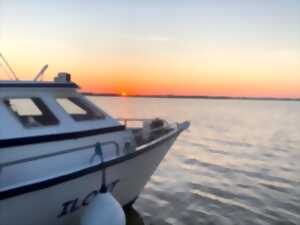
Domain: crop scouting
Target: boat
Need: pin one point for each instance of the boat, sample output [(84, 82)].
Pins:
[(59, 152)]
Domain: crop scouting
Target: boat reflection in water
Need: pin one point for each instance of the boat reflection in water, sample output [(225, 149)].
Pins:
[(133, 217)]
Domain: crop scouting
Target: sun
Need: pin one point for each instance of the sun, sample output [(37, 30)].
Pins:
[(123, 93)]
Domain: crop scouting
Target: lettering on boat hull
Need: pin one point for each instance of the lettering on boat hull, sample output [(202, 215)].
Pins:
[(77, 203)]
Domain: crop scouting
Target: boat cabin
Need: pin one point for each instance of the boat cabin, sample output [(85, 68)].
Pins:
[(30, 108)]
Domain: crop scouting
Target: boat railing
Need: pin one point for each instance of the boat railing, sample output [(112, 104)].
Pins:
[(102, 144), (126, 120), (146, 132)]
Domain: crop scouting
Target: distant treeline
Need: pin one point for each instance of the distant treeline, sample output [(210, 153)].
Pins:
[(191, 97)]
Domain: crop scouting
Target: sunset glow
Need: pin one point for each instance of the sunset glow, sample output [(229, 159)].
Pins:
[(231, 48)]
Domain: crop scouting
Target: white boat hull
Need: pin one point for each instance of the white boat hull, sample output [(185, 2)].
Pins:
[(63, 203)]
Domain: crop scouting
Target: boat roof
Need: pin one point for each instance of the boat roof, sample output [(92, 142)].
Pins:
[(36, 84)]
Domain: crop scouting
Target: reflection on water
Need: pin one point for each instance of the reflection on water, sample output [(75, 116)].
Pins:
[(238, 164), (133, 217)]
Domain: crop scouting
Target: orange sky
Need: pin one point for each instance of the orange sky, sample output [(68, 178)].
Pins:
[(250, 49)]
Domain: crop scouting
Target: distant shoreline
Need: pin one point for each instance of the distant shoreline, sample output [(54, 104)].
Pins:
[(191, 97)]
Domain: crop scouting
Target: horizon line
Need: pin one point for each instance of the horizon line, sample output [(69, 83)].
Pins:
[(190, 96)]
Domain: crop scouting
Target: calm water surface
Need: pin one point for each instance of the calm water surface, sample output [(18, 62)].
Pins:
[(239, 163)]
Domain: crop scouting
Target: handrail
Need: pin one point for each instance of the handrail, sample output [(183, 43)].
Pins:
[(125, 120), (133, 119), (155, 130), (60, 153)]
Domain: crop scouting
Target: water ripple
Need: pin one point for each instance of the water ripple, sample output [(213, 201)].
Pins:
[(238, 165)]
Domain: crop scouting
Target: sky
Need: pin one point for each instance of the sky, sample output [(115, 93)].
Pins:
[(190, 47)]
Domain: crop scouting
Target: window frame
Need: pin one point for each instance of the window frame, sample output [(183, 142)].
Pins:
[(84, 105), (40, 104)]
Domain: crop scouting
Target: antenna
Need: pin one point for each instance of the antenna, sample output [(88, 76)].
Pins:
[(5, 71), (9, 67), (41, 73)]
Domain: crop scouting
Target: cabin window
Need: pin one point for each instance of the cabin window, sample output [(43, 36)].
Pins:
[(31, 112), (79, 109)]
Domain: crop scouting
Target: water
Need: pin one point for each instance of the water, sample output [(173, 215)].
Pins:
[(239, 163)]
